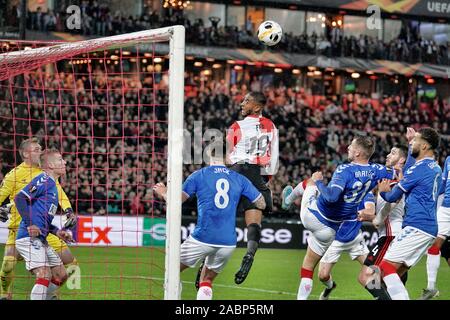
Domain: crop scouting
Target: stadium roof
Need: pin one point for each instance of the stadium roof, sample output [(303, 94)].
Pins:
[(304, 60), (433, 10)]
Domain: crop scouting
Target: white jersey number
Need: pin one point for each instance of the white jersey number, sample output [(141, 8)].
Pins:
[(435, 188), (222, 187), (357, 187)]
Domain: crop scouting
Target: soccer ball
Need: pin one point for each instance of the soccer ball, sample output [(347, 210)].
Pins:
[(269, 33)]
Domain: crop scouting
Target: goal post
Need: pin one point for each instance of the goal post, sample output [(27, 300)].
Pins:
[(174, 165), (14, 63)]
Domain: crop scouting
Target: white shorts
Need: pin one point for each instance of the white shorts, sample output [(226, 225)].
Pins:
[(409, 246), (443, 220), (355, 248), (36, 254), (322, 236), (193, 251)]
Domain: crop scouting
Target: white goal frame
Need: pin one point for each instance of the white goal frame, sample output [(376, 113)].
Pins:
[(33, 58)]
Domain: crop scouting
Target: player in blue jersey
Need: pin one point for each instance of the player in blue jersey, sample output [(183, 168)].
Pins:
[(349, 238), (420, 184), (324, 208), (218, 190), (443, 219), (37, 204)]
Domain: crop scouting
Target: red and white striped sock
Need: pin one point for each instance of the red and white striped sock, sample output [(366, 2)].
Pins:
[(306, 284), (39, 291), (433, 263), (394, 285), (205, 291)]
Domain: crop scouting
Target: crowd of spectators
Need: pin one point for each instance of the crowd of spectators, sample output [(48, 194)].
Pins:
[(113, 132), (98, 20)]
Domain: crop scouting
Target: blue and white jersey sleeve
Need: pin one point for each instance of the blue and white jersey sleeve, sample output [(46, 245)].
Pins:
[(339, 178), (190, 186), (383, 172), (36, 187), (445, 173), (445, 185), (249, 190), (410, 179)]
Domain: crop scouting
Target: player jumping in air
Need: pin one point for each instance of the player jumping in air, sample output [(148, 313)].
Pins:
[(37, 204), (420, 185), (218, 190), (30, 151), (253, 145)]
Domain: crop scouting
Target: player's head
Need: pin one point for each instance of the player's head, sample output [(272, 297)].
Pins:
[(361, 148), (30, 151), (52, 161), (214, 152), (426, 140), (253, 103), (397, 156)]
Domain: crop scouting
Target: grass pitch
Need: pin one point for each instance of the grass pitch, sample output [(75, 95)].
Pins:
[(137, 273)]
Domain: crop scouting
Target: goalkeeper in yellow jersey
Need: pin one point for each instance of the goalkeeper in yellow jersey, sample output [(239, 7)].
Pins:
[(30, 151)]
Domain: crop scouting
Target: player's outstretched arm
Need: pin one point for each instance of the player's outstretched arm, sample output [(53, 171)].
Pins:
[(331, 194), (387, 194), (161, 190)]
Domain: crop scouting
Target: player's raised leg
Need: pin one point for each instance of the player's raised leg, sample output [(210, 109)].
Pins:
[(289, 194), (318, 242)]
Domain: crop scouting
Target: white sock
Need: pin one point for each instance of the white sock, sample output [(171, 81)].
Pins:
[(305, 288), (51, 290), (433, 262), (39, 292), (328, 283), (204, 293), (395, 287), (296, 193)]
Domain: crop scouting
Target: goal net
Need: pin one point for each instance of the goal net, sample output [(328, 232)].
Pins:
[(113, 106)]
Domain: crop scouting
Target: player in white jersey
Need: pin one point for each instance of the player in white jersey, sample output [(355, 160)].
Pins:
[(213, 241), (252, 150), (420, 185), (443, 218), (388, 221)]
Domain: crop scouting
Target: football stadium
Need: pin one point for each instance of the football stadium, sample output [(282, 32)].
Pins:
[(225, 150)]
